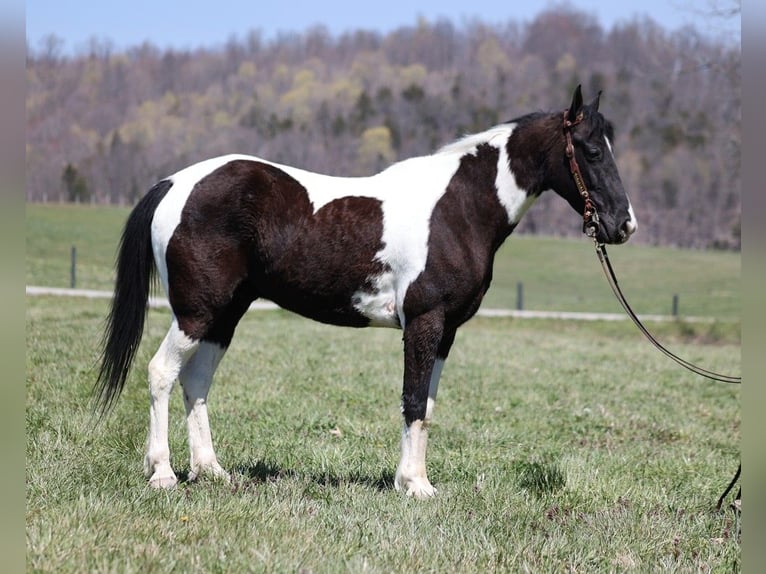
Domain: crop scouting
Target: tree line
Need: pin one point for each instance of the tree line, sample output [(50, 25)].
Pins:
[(105, 124)]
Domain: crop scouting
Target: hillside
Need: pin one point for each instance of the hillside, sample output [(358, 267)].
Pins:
[(103, 126)]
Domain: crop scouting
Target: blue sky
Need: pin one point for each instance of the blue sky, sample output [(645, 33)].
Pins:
[(189, 23)]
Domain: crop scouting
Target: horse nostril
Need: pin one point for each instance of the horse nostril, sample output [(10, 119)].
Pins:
[(628, 228)]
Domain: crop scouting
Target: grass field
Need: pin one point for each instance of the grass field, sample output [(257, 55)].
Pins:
[(556, 446)]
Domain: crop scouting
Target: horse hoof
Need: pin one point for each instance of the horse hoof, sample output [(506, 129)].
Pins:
[(422, 492), (418, 487), (215, 473), (163, 482)]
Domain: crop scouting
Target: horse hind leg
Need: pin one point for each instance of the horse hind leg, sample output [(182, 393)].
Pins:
[(164, 368), (216, 331), (196, 378)]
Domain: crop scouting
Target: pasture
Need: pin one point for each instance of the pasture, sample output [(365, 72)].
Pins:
[(556, 446)]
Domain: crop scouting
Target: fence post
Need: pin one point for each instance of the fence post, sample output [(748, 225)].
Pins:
[(519, 296), (675, 304), (73, 270)]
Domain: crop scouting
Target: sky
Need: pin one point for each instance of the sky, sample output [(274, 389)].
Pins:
[(188, 24)]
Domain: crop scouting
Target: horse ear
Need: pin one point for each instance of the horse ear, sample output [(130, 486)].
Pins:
[(576, 104), (595, 102)]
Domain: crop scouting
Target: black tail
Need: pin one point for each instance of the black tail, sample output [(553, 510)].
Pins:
[(125, 323)]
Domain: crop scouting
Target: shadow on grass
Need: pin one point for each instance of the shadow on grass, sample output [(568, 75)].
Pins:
[(539, 477), (246, 477)]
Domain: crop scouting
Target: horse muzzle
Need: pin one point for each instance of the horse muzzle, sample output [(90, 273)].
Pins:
[(595, 228)]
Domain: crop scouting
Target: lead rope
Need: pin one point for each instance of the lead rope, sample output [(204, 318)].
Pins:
[(590, 228), (612, 280)]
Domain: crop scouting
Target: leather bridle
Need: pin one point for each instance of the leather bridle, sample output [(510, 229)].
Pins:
[(590, 216)]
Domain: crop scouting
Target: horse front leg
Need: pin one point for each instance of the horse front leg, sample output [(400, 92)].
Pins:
[(423, 362)]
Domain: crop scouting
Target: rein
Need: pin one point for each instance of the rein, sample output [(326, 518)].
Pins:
[(611, 277), (590, 228)]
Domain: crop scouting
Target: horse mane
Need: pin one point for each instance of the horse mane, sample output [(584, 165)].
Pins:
[(469, 143)]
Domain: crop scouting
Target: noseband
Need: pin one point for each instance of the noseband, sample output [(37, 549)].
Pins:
[(590, 216)]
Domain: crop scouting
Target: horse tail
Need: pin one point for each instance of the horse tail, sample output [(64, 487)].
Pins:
[(136, 273)]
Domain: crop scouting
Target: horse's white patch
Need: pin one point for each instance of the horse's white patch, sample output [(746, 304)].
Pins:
[(379, 305), (515, 200), (409, 191)]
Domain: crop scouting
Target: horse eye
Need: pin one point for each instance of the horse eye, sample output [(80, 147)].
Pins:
[(592, 152)]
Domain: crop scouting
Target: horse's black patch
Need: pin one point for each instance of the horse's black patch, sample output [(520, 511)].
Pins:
[(249, 230)]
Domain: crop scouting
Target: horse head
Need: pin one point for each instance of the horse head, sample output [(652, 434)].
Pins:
[(586, 155)]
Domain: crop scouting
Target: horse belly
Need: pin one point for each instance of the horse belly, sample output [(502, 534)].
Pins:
[(342, 292)]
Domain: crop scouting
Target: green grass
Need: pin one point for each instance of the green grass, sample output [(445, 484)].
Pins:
[(565, 275), (556, 447), (557, 274), (52, 231)]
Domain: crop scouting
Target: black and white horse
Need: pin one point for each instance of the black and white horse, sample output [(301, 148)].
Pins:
[(410, 248)]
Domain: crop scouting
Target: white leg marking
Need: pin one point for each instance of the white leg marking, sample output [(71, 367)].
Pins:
[(164, 368), (411, 473), (196, 378)]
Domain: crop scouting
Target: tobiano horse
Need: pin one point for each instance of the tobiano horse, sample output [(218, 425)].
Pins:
[(410, 248)]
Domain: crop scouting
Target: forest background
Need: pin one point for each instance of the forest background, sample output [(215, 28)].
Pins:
[(103, 125)]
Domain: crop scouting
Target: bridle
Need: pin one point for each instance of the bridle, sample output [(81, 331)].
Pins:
[(590, 215), (590, 228)]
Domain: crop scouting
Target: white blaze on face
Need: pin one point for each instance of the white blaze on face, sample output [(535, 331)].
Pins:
[(632, 224)]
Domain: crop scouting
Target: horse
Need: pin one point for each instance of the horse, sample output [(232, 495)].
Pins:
[(409, 248)]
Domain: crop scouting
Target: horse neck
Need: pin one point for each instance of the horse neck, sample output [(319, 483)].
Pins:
[(483, 192), (511, 164), (536, 148)]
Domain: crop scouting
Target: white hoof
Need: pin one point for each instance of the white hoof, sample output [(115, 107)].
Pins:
[(418, 486), (213, 471), (163, 480)]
